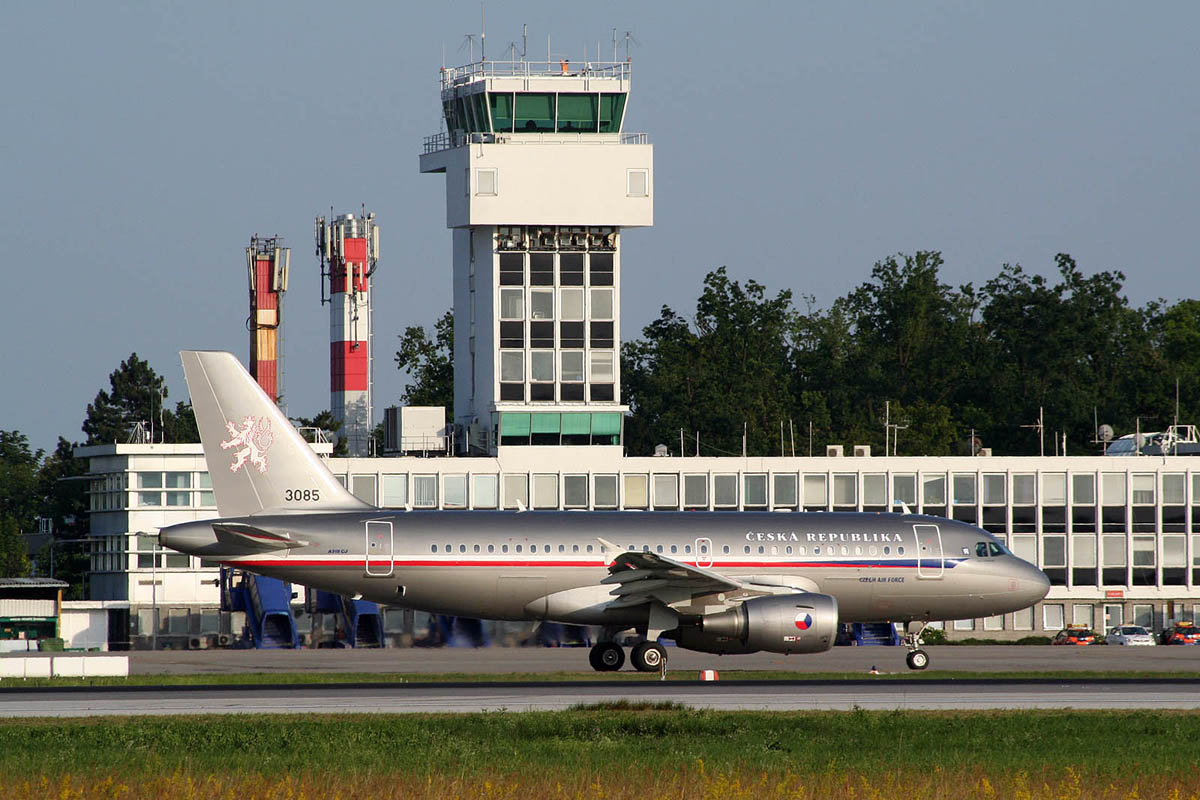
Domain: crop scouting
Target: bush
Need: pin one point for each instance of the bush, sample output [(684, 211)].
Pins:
[(933, 636), (1034, 640)]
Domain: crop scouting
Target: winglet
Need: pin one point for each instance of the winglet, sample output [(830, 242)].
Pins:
[(611, 551)]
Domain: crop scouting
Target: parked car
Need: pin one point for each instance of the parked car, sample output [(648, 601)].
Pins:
[(1130, 635), (1181, 633), (1075, 635)]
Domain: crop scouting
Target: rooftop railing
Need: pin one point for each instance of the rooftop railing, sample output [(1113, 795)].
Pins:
[(456, 76), (445, 141)]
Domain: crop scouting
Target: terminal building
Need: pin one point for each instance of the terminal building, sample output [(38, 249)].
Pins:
[(541, 179)]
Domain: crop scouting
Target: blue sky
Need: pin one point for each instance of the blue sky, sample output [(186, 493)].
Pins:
[(797, 143)]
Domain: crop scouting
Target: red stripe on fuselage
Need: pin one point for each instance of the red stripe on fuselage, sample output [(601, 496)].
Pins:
[(301, 562)]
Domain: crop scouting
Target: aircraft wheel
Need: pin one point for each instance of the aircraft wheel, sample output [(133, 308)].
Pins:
[(607, 657), (648, 657), (918, 659)]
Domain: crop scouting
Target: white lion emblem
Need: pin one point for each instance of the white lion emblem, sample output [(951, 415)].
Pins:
[(254, 438)]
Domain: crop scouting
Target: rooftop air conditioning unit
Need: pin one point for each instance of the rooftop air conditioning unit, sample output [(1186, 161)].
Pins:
[(862, 451), (834, 451), (985, 452)]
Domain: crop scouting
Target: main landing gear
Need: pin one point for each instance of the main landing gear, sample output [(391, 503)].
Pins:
[(917, 658), (645, 657), (607, 657)]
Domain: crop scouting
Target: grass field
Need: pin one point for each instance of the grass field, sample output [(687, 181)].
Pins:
[(251, 678), (608, 753)]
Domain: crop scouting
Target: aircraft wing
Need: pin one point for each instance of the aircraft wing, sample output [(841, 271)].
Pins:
[(639, 577)]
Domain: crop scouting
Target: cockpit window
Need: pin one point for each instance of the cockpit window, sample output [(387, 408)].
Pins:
[(981, 549), (996, 549)]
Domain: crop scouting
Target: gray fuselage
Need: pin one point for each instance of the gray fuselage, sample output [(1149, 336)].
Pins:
[(549, 565)]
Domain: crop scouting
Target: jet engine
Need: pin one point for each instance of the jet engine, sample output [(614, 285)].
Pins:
[(789, 623)]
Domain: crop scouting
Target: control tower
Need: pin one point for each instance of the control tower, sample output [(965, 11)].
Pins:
[(541, 178)]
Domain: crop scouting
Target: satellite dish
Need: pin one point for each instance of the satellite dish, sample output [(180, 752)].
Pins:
[(1106, 433)]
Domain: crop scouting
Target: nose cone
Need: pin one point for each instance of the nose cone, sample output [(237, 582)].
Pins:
[(193, 538), (1032, 584)]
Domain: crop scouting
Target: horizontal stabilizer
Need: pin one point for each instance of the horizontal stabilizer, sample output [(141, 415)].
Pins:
[(245, 535)]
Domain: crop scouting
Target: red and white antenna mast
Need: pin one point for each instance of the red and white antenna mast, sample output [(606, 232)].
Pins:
[(267, 262), (348, 251)]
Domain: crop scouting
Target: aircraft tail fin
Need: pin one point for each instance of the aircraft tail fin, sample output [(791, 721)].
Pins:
[(256, 458)]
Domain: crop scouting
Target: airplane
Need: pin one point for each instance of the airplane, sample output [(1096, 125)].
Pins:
[(715, 582)]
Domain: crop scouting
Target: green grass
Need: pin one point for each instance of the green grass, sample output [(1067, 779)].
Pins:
[(586, 740), (261, 678)]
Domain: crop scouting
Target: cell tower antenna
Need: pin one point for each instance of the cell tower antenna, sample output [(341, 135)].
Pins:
[(524, 40), (482, 35), (630, 38), (614, 43)]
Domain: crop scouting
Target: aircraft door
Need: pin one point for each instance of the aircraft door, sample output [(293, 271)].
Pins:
[(930, 561), (378, 554), (704, 554)]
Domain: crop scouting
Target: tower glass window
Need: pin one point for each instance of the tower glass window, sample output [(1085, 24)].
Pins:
[(602, 365), (502, 108), (541, 365), (512, 304), (602, 334), (541, 269), (571, 304), (612, 107), (572, 366), (534, 112), (577, 113), (600, 269), (541, 303), (570, 269), (602, 303), (512, 269)]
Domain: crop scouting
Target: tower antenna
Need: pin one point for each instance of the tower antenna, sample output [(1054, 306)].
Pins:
[(482, 35), (524, 40), (629, 37)]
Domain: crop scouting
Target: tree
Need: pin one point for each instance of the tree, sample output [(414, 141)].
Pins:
[(18, 501), (326, 422), (63, 495), (430, 364), (14, 563), (138, 394), (725, 372)]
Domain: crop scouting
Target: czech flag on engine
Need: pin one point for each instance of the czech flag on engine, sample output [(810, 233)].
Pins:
[(804, 620)]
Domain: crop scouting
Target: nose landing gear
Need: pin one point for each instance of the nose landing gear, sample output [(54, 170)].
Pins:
[(917, 658)]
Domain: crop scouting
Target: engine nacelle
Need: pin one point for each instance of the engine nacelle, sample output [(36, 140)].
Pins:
[(789, 623)]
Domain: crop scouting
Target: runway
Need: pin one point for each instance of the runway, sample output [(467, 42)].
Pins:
[(485, 661), (925, 695)]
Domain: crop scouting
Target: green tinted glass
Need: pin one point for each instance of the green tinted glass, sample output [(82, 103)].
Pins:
[(577, 424), (502, 119), (577, 112), (514, 424), (534, 113), (479, 106), (606, 424), (612, 106)]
